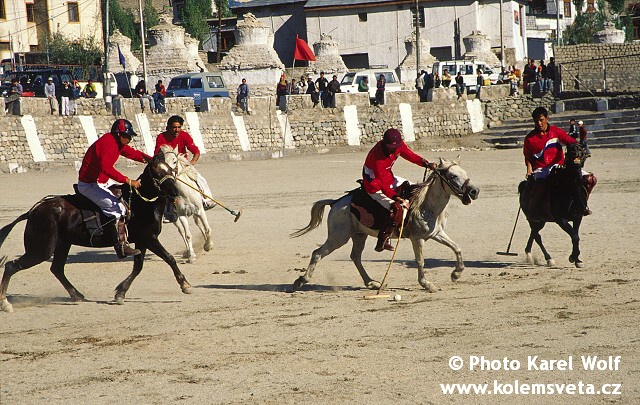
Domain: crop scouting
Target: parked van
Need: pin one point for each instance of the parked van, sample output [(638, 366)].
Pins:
[(469, 72), (349, 83), (197, 85)]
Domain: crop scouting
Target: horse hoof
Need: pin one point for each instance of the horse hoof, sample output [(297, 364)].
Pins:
[(119, 300), (298, 283), (430, 287), (373, 285), (551, 262), (529, 258), (191, 260), (455, 275), (6, 306), (186, 290), (208, 247), (579, 264)]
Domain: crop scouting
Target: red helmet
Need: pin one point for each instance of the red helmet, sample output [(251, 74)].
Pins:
[(392, 138), (123, 127)]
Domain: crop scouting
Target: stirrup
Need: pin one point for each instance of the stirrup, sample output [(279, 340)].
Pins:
[(384, 246), (124, 250)]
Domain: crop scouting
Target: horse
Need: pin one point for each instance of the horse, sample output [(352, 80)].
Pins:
[(190, 203), (562, 198), (425, 220), (54, 224)]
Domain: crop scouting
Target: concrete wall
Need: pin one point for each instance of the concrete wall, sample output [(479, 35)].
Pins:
[(621, 62)]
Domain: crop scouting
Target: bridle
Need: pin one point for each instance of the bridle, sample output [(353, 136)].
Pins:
[(457, 191), (156, 183)]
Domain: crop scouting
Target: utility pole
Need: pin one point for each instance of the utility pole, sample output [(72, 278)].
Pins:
[(107, 93), (417, 39), (558, 22), (144, 46), (501, 37), (219, 33)]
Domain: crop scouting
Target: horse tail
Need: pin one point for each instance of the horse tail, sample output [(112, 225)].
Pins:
[(317, 211), (4, 232)]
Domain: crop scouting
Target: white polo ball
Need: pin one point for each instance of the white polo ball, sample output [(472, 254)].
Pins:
[(397, 297)]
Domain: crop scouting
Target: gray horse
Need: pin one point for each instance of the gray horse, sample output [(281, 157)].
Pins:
[(426, 220)]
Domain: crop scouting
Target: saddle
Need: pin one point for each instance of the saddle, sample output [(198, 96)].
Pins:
[(546, 198), (93, 217), (368, 211)]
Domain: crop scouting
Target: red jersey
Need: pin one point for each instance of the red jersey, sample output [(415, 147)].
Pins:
[(183, 141), (544, 149), (377, 174), (98, 163)]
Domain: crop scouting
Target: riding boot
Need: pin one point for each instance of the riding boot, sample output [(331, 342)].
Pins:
[(395, 217), (170, 214), (122, 245)]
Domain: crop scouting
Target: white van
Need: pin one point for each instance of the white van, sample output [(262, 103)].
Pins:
[(468, 70), (349, 82)]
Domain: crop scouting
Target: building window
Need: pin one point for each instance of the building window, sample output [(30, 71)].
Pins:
[(3, 11), (420, 16), (362, 17), (74, 13), (31, 14), (567, 8)]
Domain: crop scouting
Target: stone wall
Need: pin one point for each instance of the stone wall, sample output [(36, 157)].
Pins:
[(621, 62), (511, 107)]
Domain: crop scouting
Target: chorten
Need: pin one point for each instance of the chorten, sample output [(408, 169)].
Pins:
[(328, 58)]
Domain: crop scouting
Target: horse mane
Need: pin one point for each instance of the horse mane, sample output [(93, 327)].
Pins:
[(420, 196)]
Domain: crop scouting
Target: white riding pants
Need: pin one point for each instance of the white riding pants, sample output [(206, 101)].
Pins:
[(103, 198), (382, 199)]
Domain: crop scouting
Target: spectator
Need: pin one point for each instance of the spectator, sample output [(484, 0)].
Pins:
[(141, 92), (518, 74), (332, 89), (302, 85), (460, 87), (89, 90), (158, 97), (573, 130), (75, 94), (530, 76), (446, 79), (50, 94), (313, 92), (583, 137), (13, 102), (542, 76), (363, 85), (479, 82), (321, 84), (293, 87), (242, 99), (420, 84), (65, 96), (503, 77), (551, 76), (281, 92), (513, 80), (380, 87), (436, 80)]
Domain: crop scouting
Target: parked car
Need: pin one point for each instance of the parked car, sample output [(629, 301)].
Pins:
[(34, 80), (469, 72), (349, 83), (199, 85)]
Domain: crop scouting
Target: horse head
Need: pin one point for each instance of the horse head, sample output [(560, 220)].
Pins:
[(576, 155), (456, 181), (162, 178)]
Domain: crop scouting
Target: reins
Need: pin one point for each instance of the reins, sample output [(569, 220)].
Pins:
[(459, 192)]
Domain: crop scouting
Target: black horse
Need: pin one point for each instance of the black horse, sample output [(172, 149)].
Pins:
[(562, 198), (54, 224)]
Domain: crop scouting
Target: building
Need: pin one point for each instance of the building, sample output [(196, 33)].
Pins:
[(27, 26), (373, 32)]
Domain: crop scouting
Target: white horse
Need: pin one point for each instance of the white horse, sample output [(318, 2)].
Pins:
[(190, 203), (426, 220)]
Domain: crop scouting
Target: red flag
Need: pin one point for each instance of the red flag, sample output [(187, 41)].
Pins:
[(303, 52)]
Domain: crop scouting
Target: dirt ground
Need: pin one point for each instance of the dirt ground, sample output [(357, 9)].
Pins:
[(240, 338)]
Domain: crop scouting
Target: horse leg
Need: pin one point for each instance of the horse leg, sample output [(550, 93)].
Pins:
[(123, 287), (183, 228), (536, 227), (359, 240), (200, 218), (156, 247), (418, 252), (10, 268), (57, 268), (443, 238), (333, 242), (575, 239)]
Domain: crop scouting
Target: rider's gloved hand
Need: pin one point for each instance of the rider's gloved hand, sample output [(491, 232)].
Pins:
[(429, 165), (134, 183), (401, 202)]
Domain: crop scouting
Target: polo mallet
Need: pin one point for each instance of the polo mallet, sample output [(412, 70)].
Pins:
[(384, 279), (507, 253), (234, 213)]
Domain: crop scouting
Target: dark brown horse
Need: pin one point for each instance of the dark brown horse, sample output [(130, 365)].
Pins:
[(562, 198), (54, 224)]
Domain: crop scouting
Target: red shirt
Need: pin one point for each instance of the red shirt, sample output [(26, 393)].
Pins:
[(544, 149), (98, 163), (183, 141), (377, 174)]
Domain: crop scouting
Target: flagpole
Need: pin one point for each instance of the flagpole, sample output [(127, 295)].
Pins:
[(144, 49)]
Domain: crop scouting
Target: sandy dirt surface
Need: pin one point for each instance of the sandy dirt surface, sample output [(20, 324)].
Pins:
[(240, 338)]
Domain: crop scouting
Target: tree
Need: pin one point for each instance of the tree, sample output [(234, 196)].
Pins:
[(124, 20), (585, 24), (150, 15), (194, 18), (63, 51)]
